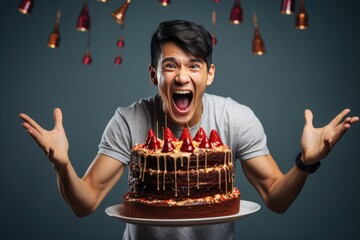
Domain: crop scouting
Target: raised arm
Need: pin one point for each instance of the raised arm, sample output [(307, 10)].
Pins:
[(82, 194), (279, 190)]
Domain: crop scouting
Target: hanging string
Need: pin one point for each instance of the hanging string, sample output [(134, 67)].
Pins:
[(120, 44), (213, 22), (258, 46), (92, 10), (87, 59)]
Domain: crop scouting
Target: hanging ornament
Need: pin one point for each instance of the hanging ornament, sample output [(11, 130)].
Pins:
[(25, 7), (213, 23), (87, 58), (236, 16), (217, 1), (302, 17), (118, 59), (120, 43), (103, 1), (214, 39), (258, 43), (164, 3), (119, 14), (287, 7), (54, 38), (213, 20), (83, 23)]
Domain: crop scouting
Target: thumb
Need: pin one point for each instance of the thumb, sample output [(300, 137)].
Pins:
[(58, 118), (308, 118)]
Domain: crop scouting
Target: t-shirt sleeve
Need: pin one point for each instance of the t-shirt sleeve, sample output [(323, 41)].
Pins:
[(116, 138), (248, 131)]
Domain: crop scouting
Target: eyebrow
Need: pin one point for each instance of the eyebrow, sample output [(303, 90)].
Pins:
[(172, 59)]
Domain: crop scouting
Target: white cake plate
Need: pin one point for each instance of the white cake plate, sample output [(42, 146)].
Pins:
[(246, 208)]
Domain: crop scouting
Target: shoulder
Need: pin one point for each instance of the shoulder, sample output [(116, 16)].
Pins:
[(226, 104), (143, 105)]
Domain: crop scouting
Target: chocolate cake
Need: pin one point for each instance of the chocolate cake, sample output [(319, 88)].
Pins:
[(181, 178)]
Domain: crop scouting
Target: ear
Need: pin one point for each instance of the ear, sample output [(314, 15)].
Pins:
[(152, 74), (211, 75)]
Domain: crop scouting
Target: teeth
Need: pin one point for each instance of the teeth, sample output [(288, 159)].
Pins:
[(182, 92)]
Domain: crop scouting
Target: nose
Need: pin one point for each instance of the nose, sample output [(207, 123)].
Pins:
[(182, 77)]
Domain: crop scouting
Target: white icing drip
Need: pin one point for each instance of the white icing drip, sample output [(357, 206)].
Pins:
[(157, 172), (227, 165)]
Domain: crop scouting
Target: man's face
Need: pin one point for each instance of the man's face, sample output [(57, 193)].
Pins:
[(181, 79)]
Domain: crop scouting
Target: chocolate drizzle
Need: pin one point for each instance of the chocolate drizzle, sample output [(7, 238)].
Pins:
[(187, 170)]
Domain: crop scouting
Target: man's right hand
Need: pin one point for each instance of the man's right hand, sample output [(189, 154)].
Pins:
[(54, 142)]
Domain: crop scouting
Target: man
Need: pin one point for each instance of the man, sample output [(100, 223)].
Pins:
[(181, 68)]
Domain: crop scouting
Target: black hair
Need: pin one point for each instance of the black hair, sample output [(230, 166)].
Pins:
[(190, 37)]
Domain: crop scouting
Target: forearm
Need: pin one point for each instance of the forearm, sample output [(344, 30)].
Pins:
[(276, 189), (285, 189), (75, 191)]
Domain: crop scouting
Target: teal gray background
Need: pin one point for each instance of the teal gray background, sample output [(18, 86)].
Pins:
[(317, 69)]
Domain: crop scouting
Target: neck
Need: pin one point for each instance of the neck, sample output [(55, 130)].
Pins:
[(195, 120)]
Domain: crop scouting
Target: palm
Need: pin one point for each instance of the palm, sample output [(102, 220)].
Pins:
[(54, 142), (316, 143), (58, 141)]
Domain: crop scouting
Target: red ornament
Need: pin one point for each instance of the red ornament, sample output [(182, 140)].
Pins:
[(200, 135), (185, 134), (169, 135), (214, 39), (83, 23), (187, 145), (236, 16), (118, 59), (168, 146), (87, 58), (26, 6), (215, 139), (287, 7), (164, 3), (120, 43), (205, 143)]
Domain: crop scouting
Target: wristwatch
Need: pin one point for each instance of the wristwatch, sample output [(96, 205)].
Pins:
[(305, 167)]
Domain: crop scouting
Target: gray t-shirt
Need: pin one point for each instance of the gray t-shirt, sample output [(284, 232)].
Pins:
[(236, 124)]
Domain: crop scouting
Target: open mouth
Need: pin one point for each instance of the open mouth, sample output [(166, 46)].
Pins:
[(182, 99)]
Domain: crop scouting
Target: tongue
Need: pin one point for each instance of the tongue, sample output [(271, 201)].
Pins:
[(182, 102)]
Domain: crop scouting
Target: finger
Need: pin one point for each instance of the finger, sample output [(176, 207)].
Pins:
[(339, 117), (30, 121), (308, 118), (58, 118), (354, 120), (36, 135), (349, 121)]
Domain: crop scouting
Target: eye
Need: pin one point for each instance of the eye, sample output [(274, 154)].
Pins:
[(169, 67), (195, 66)]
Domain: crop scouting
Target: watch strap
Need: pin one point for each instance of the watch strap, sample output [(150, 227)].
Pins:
[(305, 167)]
